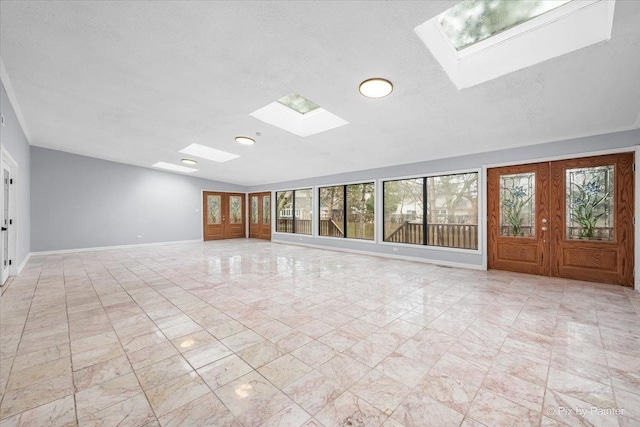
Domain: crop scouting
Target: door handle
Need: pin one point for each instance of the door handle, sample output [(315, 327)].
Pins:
[(544, 228), (4, 228)]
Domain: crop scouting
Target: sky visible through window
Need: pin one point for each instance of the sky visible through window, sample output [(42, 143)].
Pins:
[(298, 103), (472, 21)]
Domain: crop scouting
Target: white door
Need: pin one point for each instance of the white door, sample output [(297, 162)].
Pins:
[(6, 223)]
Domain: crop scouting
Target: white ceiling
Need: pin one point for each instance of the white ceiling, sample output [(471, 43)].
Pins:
[(137, 81)]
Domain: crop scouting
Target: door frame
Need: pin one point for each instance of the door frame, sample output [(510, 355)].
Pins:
[(631, 148), (201, 209), (5, 157)]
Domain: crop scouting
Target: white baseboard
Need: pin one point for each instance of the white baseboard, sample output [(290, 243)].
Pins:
[(23, 263), (383, 255), (108, 248)]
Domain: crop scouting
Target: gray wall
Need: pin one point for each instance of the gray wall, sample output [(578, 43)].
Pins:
[(15, 142), (475, 161), (83, 202)]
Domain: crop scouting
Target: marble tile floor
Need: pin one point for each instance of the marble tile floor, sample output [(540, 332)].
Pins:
[(253, 333)]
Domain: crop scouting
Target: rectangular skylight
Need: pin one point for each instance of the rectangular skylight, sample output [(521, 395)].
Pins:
[(311, 123), (175, 168), (487, 39), (298, 103), (472, 21), (208, 153)]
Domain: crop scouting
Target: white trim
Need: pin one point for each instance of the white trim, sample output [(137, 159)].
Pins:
[(433, 247), (343, 239), (109, 248), (485, 221), (433, 174), (23, 263), (14, 210), (627, 149), (8, 87), (383, 255)]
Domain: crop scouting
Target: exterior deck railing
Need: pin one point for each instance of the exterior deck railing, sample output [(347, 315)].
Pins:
[(463, 236)]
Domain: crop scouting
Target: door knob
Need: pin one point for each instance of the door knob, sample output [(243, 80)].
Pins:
[(544, 228), (544, 220), (4, 228)]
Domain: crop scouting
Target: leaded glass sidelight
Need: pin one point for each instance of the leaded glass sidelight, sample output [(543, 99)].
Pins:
[(517, 205), (235, 210), (590, 203), (213, 210), (266, 210), (254, 209)]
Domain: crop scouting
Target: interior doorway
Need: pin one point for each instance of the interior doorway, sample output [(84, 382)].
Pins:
[(8, 214), (260, 215), (570, 218), (223, 215)]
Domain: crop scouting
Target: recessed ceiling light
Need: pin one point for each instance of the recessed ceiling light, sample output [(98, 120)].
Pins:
[(245, 140), (189, 161), (376, 87), (208, 153), (175, 168)]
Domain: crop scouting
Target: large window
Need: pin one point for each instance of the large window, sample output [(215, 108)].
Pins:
[(293, 211), (347, 211), (436, 211)]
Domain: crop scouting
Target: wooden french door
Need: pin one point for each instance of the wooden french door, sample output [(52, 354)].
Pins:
[(260, 215), (570, 218), (223, 215)]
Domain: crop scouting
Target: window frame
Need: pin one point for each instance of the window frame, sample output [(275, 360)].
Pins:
[(423, 246), (344, 210), (293, 211)]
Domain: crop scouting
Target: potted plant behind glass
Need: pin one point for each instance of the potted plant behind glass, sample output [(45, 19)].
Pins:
[(587, 208), (512, 207)]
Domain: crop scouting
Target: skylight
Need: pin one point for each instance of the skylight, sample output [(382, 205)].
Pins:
[(471, 21), (479, 40), (208, 153), (298, 103), (175, 168), (298, 115)]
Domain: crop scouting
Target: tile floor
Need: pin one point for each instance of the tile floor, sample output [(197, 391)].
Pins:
[(250, 333)]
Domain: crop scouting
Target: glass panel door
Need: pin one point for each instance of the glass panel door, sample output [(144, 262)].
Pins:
[(517, 205), (214, 208), (235, 209), (590, 203), (266, 209), (254, 210)]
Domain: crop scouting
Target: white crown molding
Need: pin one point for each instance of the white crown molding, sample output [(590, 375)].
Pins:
[(6, 81)]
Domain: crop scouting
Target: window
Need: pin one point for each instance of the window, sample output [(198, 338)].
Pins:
[(293, 211), (471, 21), (403, 211), (479, 40), (449, 220), (348, 211)]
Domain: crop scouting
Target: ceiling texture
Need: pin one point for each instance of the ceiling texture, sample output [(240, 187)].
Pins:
[(137, 81)]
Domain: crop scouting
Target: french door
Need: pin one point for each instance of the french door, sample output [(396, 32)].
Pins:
[(570, 218), (223, 215), (260, 215)]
